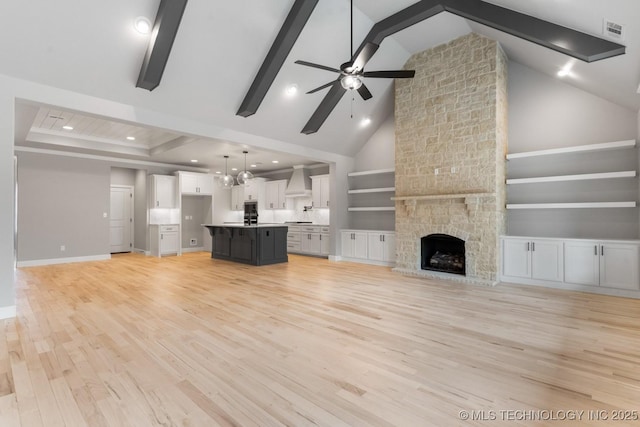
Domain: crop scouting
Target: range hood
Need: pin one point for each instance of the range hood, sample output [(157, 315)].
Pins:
[(299, 184)]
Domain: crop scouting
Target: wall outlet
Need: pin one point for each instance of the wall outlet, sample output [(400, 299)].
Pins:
[(104, 215), (193, 242), (454, 169), (436, 171), (63, 248)]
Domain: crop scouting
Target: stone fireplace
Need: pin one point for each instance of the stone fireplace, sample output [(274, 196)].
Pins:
[(451, 141)]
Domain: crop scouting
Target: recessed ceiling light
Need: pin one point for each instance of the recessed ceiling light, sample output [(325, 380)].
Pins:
[(274, 161), (234, 169), (194, 161), (131, 138), (566, 70), (142, 25), (365, 122), (67, 127), (218, 172), (291, 90), (254, 166)]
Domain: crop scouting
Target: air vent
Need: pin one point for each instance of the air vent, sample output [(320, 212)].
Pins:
[(613, 30)]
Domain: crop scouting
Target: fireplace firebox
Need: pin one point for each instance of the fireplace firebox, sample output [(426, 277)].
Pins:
[(441, 252)]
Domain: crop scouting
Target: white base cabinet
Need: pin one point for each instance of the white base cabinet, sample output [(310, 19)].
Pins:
[(164, 239), (608, 264), (604, 266), (308, 240), (371, 247)]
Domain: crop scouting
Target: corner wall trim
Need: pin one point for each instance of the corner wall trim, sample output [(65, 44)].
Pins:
[(7, 312), (39, 262)]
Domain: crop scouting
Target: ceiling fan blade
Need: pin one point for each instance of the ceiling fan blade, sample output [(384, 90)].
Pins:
[(364, 92), (322, 87), (322, 67), (396, 74), (325, 108), (364, 55)]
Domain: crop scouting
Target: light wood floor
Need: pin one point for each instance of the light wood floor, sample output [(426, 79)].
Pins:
[(191, 341)]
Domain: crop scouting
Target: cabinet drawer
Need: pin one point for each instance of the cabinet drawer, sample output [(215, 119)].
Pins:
[(311, 229), (168, 228), (324, 229), (293, 246), (293, 237)]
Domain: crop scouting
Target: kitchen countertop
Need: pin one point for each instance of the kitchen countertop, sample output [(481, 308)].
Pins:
[(241, 225)]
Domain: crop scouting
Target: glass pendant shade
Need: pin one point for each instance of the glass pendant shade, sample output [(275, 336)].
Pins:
[(226, 181), (245, 176)]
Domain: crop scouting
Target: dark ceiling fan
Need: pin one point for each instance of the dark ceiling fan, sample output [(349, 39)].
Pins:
[(352, 72)]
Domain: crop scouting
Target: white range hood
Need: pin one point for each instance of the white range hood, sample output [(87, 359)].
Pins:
[(299, 183)]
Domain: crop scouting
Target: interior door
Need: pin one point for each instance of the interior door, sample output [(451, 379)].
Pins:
[(121, 219)]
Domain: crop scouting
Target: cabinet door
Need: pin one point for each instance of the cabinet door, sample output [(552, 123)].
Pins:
[(346, 238), (188, 183), (619, 266), (324, 244), (164, 191), (582, 263), (237, 198), (272, 195), (316, 244), (324, 192), (168, 243), (360, 245), (221, 245), (305, 243), (546, 260), (389, 241), (516, 260), (375, 246), (316, 192), (205, 184), (282, 199)]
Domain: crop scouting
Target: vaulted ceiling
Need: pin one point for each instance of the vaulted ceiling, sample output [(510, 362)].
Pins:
[(92, 48)]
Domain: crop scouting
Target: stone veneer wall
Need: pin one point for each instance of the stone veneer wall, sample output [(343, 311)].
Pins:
[(453, 114)]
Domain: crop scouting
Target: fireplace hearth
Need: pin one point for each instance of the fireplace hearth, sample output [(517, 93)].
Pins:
[(444, 253)]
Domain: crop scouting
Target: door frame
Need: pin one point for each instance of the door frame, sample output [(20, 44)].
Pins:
[(132, 211)]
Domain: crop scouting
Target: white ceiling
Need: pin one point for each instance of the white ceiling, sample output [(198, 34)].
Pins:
[(91, 48)]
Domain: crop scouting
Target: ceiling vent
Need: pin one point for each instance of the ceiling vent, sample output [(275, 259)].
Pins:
[(613, 30)]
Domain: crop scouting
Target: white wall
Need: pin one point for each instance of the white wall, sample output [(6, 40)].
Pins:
[(123, 176), (7, 204), (379, 151)]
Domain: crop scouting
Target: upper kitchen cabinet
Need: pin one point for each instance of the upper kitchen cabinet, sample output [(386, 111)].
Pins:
[(320, 191), (254, 190), (163, 191), (200, 184), (275, 192)]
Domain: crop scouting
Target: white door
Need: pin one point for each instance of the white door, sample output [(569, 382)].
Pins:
[(121, 219)]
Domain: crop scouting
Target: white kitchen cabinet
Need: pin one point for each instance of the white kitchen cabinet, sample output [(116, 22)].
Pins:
[(354, 244), (165, 239), (540, 259), (237, 198), (311, 240), (381, 246), (320, 191), (324, 244), (596, 263), (163, 191), (275, 194), (195, 183), (254, 190)]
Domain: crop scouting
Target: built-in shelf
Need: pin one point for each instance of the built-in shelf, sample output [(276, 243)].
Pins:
[(572, 205), (581, 177), (575, 149), (373, 190), (444, 196), (372, 209), (371, 172)]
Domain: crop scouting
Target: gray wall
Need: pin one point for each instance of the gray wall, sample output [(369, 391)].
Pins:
[(7, 202), (123, 176), (61, 201), (198, 207), (141, 218), (379, 152), (545, 112)]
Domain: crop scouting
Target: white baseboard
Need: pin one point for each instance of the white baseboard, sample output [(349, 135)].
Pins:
[(335, 258), (368, 261), (139, 251), (626, 293), (198, 249), (39, 262), (8, 312)]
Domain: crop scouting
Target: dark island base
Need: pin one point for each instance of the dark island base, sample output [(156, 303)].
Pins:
[(254, 245)]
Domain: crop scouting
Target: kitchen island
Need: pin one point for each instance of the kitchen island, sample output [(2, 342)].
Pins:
[(259, 244)]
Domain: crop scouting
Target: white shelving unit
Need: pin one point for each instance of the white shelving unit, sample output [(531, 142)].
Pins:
[(575, 149), (373, 190), (606, 146), (370, 198), (371, 172)]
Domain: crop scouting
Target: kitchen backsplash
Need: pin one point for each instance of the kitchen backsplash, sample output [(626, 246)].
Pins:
[(318, 216)]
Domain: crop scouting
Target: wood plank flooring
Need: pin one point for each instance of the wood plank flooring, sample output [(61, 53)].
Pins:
[(191, 341)]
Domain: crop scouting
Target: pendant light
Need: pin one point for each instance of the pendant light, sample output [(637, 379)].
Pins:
[(226, 181), (245, 176)]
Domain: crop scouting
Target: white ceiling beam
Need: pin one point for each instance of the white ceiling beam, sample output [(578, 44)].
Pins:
[(181, 141)]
